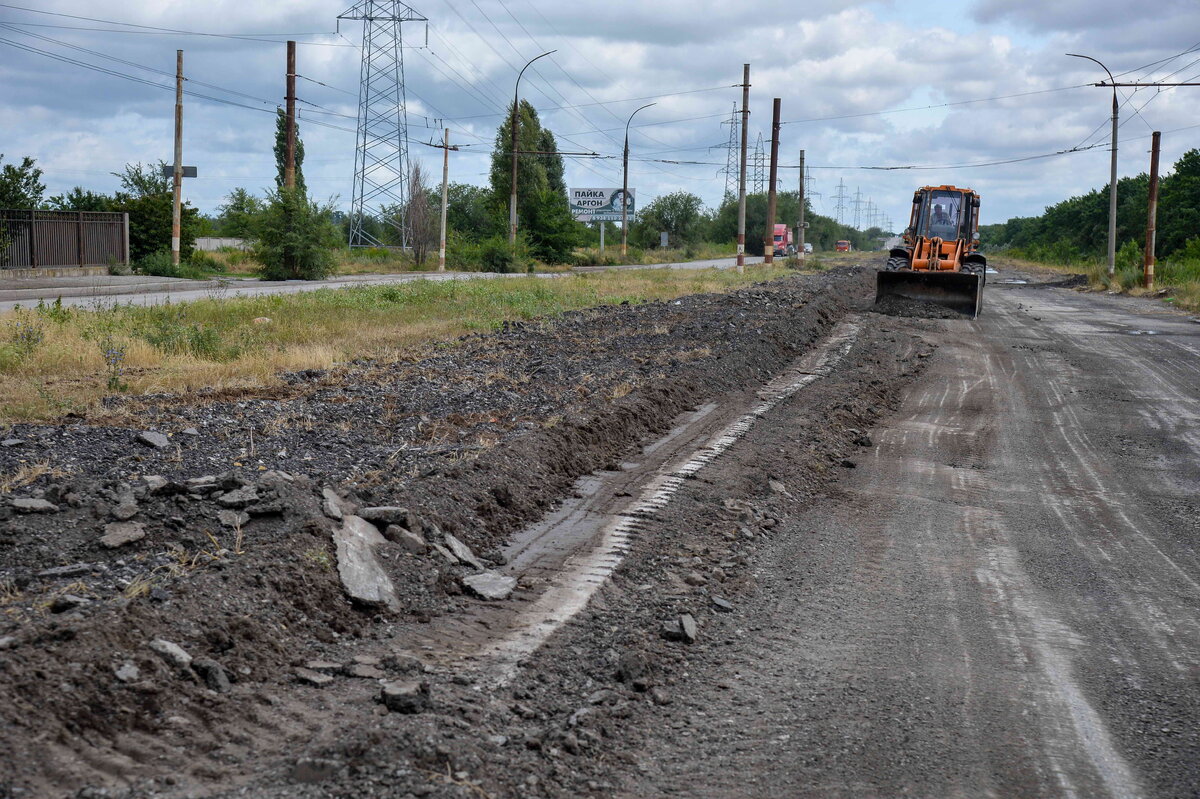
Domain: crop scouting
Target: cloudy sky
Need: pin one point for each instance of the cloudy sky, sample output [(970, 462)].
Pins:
[(863, 84)]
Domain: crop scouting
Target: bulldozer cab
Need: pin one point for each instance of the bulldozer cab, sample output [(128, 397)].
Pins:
[(940, 215)]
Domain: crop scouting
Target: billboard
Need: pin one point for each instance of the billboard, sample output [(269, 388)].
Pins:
[(600, 205)]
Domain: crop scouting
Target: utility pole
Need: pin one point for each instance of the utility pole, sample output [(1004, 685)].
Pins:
[(445, 199), (512, 200), (741, 234), (857, 203), (625, 187), (176, 226), (800, 219), (1112, 181), (289, 163), (769, 241), (1152, 211)]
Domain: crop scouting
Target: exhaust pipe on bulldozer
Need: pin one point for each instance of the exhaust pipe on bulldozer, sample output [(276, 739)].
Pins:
[(958, 291)]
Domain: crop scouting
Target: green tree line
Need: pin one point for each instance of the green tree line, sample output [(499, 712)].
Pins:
[(1076, 230)]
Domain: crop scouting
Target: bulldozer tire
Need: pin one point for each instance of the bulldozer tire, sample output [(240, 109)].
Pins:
[(895, 263)]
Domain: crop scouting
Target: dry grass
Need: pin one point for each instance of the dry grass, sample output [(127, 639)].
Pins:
[(26, 474), (69, 363)]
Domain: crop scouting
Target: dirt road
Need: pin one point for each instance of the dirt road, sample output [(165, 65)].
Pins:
[(1000, 600), (783, 546)]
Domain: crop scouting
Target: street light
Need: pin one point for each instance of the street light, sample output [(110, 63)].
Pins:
[(512, 200), (625, 187), (1112, 182)]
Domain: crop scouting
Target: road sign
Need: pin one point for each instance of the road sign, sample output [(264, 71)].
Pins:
[(601, 205), (188, 171)]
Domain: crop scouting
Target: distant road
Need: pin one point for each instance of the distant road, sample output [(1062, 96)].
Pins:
[(148, 290)]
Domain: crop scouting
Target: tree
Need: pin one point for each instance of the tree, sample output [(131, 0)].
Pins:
[(80, 199), (422, 215), (145, 180), (542, 206), (281, 153), (295, 237), (1179, 204), (21, 186), (238, 215), (471, 213), (681, 214), (147, 197)]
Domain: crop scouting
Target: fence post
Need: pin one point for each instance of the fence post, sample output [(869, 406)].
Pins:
[(79, 237), (33, 261), (125, 231)]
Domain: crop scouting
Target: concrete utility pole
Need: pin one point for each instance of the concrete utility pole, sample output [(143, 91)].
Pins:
[(800, 218), (512, 200), (1152, 212), (176, 226), (769, 241), (1112, 181), (625, 188), (445, 199), (741, 232), (289, 163)]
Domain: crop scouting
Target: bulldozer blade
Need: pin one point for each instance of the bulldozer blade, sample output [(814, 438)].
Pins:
[(959, 291)]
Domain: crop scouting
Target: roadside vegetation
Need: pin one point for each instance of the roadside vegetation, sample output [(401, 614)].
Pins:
[(287, 234), (56, 359), (1073, 235)]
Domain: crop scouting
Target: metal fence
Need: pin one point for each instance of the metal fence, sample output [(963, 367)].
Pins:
[(33, 239)]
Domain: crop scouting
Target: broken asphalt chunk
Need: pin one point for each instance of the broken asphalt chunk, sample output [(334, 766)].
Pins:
[(490, 585)]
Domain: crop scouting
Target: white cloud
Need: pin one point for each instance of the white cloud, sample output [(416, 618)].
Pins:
[(833, 58)]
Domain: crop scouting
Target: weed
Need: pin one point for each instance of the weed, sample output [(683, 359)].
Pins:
[(9, 593), (320, 556), (25, 475), (621, 390), (139, 586), (26, 334), (114, 363)]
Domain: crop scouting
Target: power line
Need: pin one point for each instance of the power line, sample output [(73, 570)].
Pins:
[(160, 30)]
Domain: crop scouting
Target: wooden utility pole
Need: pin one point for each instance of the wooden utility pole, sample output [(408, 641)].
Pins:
[(800, 219), (769, 241), (445, 199), (289, 163), (1152, 212), (741, 230), (177, 173)]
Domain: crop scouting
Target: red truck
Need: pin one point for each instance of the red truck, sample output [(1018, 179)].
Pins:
[(843, 246), (785, 244)]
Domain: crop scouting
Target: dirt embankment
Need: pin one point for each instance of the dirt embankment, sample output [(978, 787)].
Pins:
[(204, 522)]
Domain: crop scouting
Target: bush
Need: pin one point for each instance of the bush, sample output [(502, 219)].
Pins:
[(295, 238), (156, 263), (205, 262), (497, 255)]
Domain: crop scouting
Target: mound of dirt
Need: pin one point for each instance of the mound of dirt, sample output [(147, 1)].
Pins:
[(168, 569), (910, 308)]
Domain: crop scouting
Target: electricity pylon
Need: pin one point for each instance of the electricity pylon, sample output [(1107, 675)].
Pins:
[(381, 158)]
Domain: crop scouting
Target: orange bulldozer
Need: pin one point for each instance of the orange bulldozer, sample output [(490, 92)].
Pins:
[(939, 259)]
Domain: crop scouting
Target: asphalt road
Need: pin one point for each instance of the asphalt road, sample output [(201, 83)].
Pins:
[(149, 290), (1002, 599)]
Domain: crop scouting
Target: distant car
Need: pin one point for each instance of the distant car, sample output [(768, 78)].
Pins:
[(843, 246), (808, 247)]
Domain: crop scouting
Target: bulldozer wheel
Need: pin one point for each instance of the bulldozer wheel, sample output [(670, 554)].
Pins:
[(895, 263)]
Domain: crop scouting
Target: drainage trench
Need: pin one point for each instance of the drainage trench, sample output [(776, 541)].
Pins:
[(573, 551)]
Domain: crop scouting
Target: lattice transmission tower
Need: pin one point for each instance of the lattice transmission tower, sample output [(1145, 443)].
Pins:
[(757, 174), (381, 158), (732, 149)]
